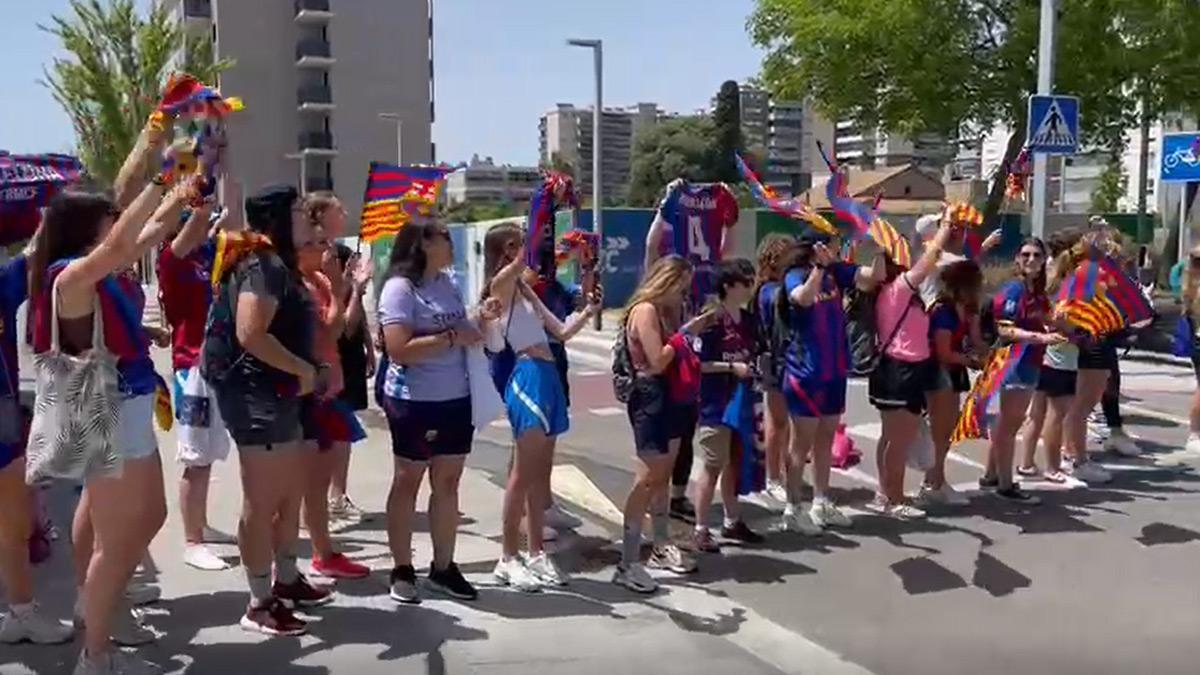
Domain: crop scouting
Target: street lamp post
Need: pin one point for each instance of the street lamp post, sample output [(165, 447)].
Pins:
[(597, 47), (1045, 85), (299, 156), (395, 117)]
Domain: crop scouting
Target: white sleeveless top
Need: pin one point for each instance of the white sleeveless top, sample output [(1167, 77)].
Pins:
[(522, 326)]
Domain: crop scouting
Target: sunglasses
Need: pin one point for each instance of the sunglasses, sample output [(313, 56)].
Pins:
[(1029, 255)]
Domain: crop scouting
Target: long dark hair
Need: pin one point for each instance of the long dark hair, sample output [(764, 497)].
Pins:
[(1038, 283), (269, 212), (70, 226), (495, 245), (408, 255)]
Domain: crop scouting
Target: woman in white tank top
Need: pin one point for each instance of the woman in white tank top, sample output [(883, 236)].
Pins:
[(537, 405)]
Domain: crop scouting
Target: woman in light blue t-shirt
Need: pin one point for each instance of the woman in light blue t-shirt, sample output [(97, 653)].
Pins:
[(426, 331)]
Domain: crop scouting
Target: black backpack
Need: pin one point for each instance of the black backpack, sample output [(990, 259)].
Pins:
[(622, 366), (865, 346)]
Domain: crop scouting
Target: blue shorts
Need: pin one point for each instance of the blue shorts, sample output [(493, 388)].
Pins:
[(1024, 378), (814, 399), (535, 398)]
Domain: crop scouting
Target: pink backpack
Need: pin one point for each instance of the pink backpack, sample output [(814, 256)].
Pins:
[(845, 455)]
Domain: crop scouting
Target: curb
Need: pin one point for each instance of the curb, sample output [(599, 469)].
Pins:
[(1160, 358)]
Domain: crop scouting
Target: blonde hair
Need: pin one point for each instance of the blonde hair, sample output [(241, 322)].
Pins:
[(662, 278), (773, 252), (316, 204), (1191, 286)]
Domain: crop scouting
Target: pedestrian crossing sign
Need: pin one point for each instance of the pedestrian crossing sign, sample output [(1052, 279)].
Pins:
[(1053, 125)]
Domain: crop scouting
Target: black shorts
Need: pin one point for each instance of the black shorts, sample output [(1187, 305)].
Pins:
[(900, 385), (1055, 383), (951, 378), (1098, 355), (422, 430), (256, 414), (656, 421)]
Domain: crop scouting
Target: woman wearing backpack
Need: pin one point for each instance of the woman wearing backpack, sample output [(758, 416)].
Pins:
[(773, 252), (80, 278), (950, 321), (904, 374), (1021, 311), (536, 402), (816, 372), (653, 344)]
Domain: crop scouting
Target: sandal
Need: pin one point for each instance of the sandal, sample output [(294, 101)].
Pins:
[(1029, 471), (1055, 477)]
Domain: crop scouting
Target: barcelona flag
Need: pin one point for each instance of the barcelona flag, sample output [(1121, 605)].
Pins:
[(1001, 365), (792, 208), (27, 182), (231, 247), (1099, 298), (395, 194), (557, 191), (865, 220)]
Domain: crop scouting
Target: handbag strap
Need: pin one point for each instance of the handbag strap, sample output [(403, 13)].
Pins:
[(98, 341), (900, 323)]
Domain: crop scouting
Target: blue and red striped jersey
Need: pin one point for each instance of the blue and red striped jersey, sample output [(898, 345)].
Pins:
[(695, 218), (819, 348)]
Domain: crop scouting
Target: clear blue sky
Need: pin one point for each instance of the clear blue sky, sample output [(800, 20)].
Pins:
[(498, 65)]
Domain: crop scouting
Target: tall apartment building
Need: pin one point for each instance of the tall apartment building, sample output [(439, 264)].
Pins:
[(788, 132), (875, 149), (566, 133), (315, 76)]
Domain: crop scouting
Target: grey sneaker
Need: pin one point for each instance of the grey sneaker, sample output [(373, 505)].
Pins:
[(33, 625), (404, 585), (128, 629), (671, 559), (115, 662)]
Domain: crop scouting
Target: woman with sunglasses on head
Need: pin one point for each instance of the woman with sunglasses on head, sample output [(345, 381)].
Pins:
[(427, 400), (329, 425), (652, 336), (773, 251), (1021, 311), (258, 357), (816, 372), (950, 326), (80, 277), (537, 405), (905, 373)]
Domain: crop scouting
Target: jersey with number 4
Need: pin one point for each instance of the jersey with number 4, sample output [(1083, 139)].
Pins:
[(695, 217)]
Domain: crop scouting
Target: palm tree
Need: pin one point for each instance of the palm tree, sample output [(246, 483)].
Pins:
[(118, 63)]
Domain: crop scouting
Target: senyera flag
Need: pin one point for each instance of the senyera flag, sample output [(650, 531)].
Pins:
[(792, 208), (395, 194), (557, 191), (1099, 298), (864, 220), (1001, 364), (27, 182)]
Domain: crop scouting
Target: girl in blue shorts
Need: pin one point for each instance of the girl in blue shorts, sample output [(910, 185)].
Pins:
[(815, 372), (536, 402)]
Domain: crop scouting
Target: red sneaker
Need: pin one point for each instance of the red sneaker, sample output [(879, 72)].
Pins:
[(339, 566), (300, 593), (273, 618)]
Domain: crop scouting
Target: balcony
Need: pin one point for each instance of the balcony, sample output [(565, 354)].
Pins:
[(313, 11), (316, 143), (315, 98), (318, 184), (197, 9), (314, 54)]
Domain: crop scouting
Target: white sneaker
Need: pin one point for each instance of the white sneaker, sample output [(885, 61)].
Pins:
[(142, 594), (115, 662), (775, 490), (825, 513), (879, 504), (1122, 444), (906, 512), (32, 625), (1090, 472), (1193, 444), (797, 520), (953, 497), (546, 570), (202, 558), (561, 520), (515, 574), (635, 578), (212, 535)]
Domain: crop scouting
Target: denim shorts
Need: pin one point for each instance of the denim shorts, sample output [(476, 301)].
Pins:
[(256, 414)]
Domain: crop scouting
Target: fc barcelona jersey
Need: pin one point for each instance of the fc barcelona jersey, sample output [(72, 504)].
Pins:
[(695, 217)]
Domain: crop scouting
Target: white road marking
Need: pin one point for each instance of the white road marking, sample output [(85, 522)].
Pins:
[(589, 359), (607, 412), (569, 482), (872, 430), (1156, 414)]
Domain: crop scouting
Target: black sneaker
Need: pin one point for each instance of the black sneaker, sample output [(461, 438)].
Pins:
[(741, 532), (991, 483), (404, 585), (452, 583), (682, 509), (1016, 495)]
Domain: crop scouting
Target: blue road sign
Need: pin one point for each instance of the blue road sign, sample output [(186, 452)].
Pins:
[(1180, 157), (1053, 125)]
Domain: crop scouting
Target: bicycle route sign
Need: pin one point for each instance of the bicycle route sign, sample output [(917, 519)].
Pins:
[(1180, 157)]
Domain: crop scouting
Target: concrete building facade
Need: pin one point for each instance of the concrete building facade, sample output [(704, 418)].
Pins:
[(483, 182), (565, 133), (315, 76)]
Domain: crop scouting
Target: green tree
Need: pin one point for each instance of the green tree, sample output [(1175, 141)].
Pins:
[(676, 148), (1110, 187), (117, 63), (727, 120), (944, 65)]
